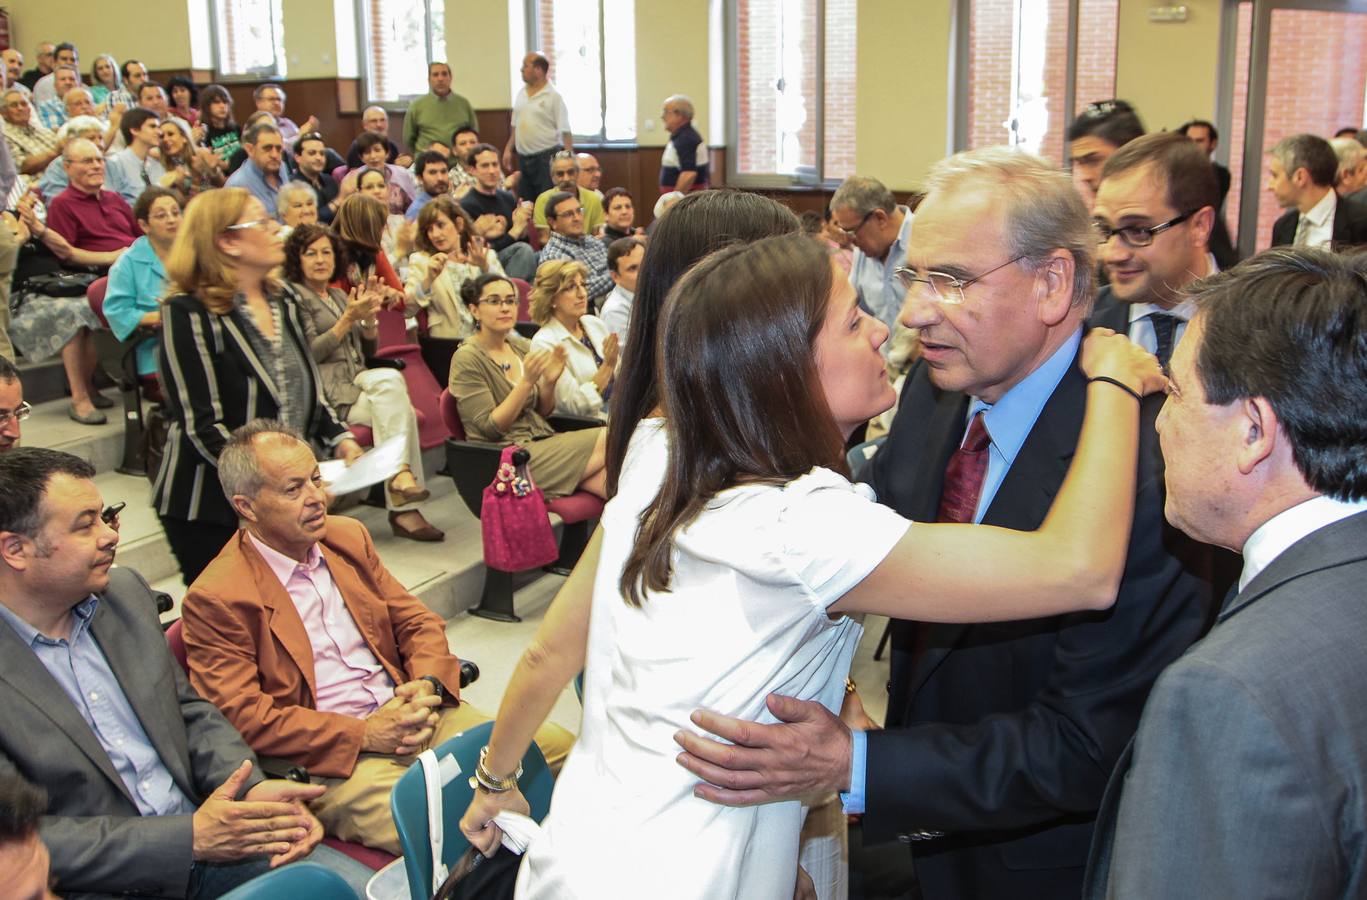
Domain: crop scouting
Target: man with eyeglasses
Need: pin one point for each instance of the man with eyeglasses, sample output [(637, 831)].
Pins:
[(13, 409), (999, 737), (271, 98), (590, 172), (879, 228), (31, 145), (565, 174), (570, 240), (260, 172)]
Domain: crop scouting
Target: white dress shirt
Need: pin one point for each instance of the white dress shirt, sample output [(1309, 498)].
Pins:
[(575, 392), (1275, 536), (1320, 233)]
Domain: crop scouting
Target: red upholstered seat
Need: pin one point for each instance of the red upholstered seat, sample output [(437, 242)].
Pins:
[(577, 507), (94, 295)]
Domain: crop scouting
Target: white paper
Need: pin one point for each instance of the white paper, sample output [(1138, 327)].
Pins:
[(380, 463)]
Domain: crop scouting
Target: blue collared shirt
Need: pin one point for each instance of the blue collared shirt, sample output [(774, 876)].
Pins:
[(250, 176), (79, 666), (880, 291), (129, 176), (52, 113), (416, 206), (1008, 423)]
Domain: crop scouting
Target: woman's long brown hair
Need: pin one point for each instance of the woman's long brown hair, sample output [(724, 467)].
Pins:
[(738, 380)]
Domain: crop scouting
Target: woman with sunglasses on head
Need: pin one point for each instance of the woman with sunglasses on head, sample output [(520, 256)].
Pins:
[(505, 390), (233, 349), (734, 571), (190, 169)]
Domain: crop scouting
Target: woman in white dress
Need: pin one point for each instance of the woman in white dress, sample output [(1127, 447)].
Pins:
[(730, 557)]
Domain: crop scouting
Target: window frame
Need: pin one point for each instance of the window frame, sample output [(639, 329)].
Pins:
[(363, 48), (279, 68), (532, 37)]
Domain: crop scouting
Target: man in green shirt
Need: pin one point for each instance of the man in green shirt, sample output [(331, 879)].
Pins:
[(436, 115)]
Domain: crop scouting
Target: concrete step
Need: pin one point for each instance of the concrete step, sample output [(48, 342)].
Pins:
[(50, 426), (43, 381)]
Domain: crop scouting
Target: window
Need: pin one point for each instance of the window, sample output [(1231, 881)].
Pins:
[(250, 38), (1017, 67), (592, 48), (794, 83), (396, 34)]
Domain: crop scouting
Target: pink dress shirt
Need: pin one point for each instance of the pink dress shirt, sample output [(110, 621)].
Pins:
[(349, 678)]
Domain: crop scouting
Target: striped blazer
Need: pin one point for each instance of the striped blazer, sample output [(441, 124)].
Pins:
[(213, 382)]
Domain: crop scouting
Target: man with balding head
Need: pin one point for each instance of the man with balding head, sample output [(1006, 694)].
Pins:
[(684, 165), (54, 111), (376, 121), (541, 126), (14, 64), (31, 146), (590, 172), (46, 87), (880, 230), (94, 224), (43, 63)]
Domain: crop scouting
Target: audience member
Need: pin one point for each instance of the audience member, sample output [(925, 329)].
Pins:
[(190, 169), (31, 146), (590, 172), (499, 218), (133, 169), (841, 244), (565, 174), (1245, 778), (505, 390), (137, 280), (54, 111), (131, 76), (104, 80), (184, 97), (221, 132), (153, 96), (880, 230), (361, 223), (149, 789), (24, 858), (310, 167), (1204, 135), (296, 205), (684, 166), (401, 186), (570, 241), (1302, 169), (560, 305), (366, 678), (375, 120), (397, 237), (1349, 131), (462, 173), (343, 334), (43, 61), (434, 176), (624, 266), (1154, 212), (1097, 132), (232, 350), (540, 128), (54, 180), (270, 97), (86, 224), (13, 235), (13, 409), (448, 254), (47, 88), (971, 772), (1351, 181), (261, 173), (619, 215), (14, 65), (436, 115)]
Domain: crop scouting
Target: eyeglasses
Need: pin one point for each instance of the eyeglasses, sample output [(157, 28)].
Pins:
[(1136, 236), (18, 414), (254, 223), (850, 232), (945, 288), (164, 216), (499, 301), (577, 211)]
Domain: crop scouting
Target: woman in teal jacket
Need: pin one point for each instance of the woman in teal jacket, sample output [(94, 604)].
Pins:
[(138, 277)]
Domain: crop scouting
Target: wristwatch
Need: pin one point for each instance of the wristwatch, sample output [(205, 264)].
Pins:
[(437, 686)]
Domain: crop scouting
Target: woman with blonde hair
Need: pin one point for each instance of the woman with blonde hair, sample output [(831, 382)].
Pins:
[(104, 79), (560, 304), (233, 349), (190, 169)]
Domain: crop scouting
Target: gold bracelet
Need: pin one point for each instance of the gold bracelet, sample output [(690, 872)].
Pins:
[(850, 686), (483, 778)]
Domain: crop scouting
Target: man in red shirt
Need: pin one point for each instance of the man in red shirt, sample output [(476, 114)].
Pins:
[(86, 224)]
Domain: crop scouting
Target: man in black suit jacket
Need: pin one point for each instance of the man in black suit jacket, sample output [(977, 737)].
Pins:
[(1203, 134), (1000, 737), (1248, 775), (1303, 168)]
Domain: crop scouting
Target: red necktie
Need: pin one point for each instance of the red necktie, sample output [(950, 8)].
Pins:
[(964, 475)]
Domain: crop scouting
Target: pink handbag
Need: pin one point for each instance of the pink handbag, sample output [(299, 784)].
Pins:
[(517, 530)]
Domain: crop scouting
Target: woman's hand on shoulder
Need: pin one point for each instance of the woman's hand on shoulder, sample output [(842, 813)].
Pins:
[(1106, 354)]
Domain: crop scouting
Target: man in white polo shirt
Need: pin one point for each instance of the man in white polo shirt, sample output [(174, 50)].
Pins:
[(541, 126)]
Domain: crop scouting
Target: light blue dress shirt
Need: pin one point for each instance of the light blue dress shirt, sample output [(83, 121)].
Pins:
[(250, 176), (129, 176), (79, 666), (880, 291), (1008, 423)]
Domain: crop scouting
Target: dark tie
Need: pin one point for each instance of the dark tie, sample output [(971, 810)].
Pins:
[(1164, 327), (964, 475)]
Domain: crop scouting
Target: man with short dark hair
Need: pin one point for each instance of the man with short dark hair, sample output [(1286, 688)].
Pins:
[(133, 73), (13, 409), (271, 98), (1302, 169), (565, 174), (541, 127), (24, 857), (462, 173), (1246, 775), (46, 88), (43, 62), (260, 173), (880, 229), (684, 166), (150, 790), (624, 265), (1203, 134), (499, 218), (619, 215), (434, 178), (152, 95), (570, 240), (437, 114), (134, 169), (1097, 132), (310, 167)]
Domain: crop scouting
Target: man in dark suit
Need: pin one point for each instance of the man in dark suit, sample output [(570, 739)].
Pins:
[(1303, 168), (1203, 134), (150, 790), (1000, 737), (1248, 775)]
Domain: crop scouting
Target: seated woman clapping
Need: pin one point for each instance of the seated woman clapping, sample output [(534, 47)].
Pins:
[(560, 305), (341, 332), (505, 390), (449, 254)]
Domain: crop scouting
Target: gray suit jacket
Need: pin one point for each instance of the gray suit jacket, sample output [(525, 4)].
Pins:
[(98, 840), (1248, 775), (338, 361)]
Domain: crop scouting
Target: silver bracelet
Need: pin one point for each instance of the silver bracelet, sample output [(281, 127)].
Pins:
[(490, 782)]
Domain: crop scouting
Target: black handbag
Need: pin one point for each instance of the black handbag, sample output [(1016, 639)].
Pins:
[(38, 272)]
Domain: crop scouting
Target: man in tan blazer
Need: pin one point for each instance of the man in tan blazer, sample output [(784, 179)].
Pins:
[(299, 634)]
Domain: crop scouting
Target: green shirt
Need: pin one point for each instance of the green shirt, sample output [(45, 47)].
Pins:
[(432, 118)]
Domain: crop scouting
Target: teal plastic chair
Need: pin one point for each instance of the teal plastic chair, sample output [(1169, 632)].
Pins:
[(579, 687), (303, 879), (409, 805)]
